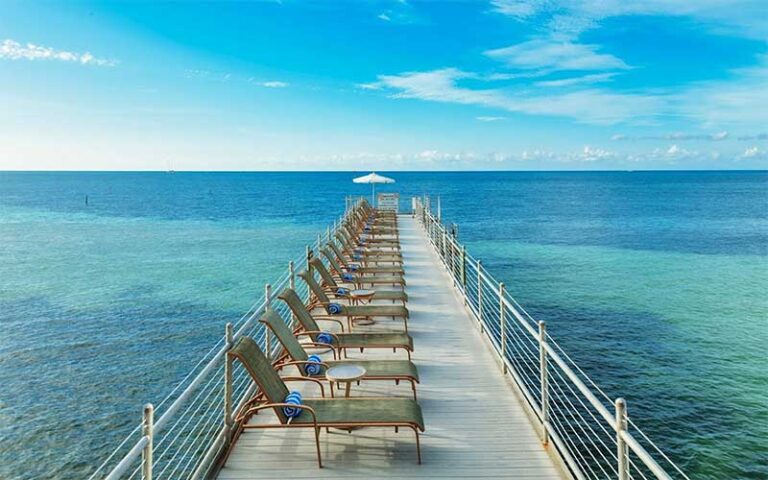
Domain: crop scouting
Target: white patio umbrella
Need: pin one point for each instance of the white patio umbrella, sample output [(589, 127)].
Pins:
[(373, 178)]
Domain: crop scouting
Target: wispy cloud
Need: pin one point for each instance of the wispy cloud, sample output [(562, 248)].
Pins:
[(759, 136), (13, 50), (588, 106), (551, 54), (583, 80), (272, 84), (384, 16), (716, 137), (743, 17), (490, 119)]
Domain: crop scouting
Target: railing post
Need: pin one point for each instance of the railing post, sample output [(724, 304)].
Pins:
[(228, 422), (544, 381), (480, 296), (147, 427), (292, 284), (439, 210), (622, 452), (503, 329), (308, 257), (464, 269), (267, 335)]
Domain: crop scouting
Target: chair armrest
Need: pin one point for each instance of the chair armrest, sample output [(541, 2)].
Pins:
[(317, 332), (253, 410), (306, 379)]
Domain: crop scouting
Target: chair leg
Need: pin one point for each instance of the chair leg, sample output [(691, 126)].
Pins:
[(418, 446), (317, 446), (413, 387)]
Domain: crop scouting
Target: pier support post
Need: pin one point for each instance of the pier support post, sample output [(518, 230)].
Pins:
[(267, 331), (544, 382), (502, 329), (228, 422), (147, 429), (479, 267), (622, 452)]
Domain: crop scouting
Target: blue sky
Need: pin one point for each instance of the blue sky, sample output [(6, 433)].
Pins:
[(385, 85)]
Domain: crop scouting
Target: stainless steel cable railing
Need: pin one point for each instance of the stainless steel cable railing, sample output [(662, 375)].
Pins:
[(196, 418), (591, 432)]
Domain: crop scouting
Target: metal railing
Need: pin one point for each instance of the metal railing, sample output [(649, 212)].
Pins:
[(591, 432), (195, 422)]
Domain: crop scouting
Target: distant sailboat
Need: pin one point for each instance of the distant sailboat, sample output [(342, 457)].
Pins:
[(170, 166)]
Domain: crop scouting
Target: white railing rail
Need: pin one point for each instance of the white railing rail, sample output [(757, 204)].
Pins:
[(591, 432), (196, 426)]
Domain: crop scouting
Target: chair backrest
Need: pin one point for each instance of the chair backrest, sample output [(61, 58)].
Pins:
[(332, 260), (343, 240), (338, 253), (324, 273), (315, 287), (284, 335), (291, 298), (261, 371)]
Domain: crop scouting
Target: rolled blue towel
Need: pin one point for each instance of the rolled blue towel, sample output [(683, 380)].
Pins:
[(357, 257), (294, 398), (367, 228), (359, 249), (347, 277), (313, 368), (342, 292), (324, 337), (334, 308), (354, 268)]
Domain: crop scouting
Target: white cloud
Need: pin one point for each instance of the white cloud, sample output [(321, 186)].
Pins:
[(753, 152), (744, 17), (551, 54), (384, 17), (715, 137), (490, 119), (585, 79), (588, 106), (13, 50), (273, 84)]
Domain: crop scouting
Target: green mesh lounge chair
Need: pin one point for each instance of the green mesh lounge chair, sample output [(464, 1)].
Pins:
[(360, 280), (317, 413), (331, 287), (369, 271), (369, 255), (345, 340), (394, 270), (384, 370), (392, 243), (355, 311)]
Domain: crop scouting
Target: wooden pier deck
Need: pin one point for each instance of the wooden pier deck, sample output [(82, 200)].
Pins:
[(475, 425)]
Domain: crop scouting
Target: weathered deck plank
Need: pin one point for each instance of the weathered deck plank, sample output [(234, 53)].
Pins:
[(476, 427)]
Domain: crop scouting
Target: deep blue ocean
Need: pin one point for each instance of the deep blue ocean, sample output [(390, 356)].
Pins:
[(656, 283)]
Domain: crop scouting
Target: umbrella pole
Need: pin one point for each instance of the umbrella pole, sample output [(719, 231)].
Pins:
[(373, 195)]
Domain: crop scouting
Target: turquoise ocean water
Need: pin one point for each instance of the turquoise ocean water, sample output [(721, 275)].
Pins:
[(655, 282)]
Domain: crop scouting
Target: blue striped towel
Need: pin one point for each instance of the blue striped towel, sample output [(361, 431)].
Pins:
[(333, 308), (353, 268), (347, 277), (313, 368), (294, 398), (357, 256), (342, 292), (324, 337)]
